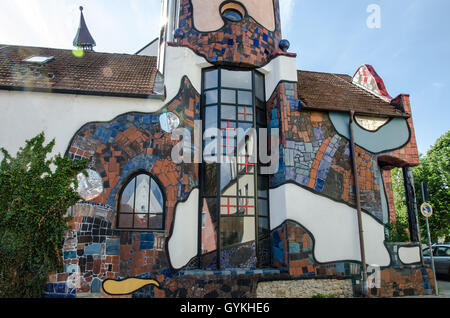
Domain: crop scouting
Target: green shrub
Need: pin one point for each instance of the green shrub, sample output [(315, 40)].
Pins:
[(35, 193)]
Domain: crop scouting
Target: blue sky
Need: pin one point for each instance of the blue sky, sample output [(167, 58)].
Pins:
[(410, 50)]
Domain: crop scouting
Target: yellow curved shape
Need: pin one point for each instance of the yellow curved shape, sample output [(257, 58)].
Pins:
[(126, 286)]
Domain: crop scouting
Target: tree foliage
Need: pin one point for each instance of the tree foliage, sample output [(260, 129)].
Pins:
[(35, 193), (399, 230), (434, 169)]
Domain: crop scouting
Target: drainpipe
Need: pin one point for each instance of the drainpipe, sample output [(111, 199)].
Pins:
[(358, 205)]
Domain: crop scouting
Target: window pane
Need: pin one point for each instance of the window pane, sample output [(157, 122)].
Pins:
[(142, 193), (245, 113), (228, 178), (246, 206), (263, 208), (259, 86), (211, 117), (140, 221), (237, 230), (232, 15), (125, 220), (228, 206), (209, 225), (263, 187), (246, 139), (229, 136), (263, 226), (247, 185), (156, 199), (245, 98), (211, 79), (261, 118), (156, 221), (210, 179), (442, 251), (236, 79), (211, 97), (228, 96), (127, 199), (229, 112), (245, 165)]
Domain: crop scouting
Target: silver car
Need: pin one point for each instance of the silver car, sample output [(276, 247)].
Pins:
[(441, 255)]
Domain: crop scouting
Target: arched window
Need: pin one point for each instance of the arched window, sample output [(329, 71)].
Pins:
[(141, 204), (232, 11), (232, 15)]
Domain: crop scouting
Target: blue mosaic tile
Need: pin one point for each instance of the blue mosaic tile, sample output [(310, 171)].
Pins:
[(60, 288), (95, 285), (70, 254), (147, 241), (103, 134), (113, 247), (320, 184), (93, 249), (294, 248), (49, 288)]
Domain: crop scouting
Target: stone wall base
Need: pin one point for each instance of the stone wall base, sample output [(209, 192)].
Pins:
[(308, 288)]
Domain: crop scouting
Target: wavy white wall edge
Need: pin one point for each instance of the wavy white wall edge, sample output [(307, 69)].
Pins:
[(60, 116), (182, 244), (334, 225), (281, 68), (182, 61)]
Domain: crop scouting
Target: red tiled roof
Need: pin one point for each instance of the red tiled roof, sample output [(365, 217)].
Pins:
[(335, 92), (94, 73)]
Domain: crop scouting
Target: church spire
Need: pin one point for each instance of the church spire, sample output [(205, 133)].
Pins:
[(83, 38)]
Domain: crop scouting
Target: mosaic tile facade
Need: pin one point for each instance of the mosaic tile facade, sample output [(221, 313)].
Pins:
[(244, 43), (314, 155), (395, 280), (94, 250)]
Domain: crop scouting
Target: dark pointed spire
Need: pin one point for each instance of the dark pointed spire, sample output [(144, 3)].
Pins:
[(83, 38)]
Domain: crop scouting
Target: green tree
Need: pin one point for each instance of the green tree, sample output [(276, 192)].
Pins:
[(399, 231), (35, 193), (434, 169)]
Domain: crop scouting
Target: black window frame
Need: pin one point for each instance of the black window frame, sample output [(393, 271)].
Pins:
[(124, 185), (258, 105)]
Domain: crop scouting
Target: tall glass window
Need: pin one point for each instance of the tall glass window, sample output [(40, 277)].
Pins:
[(234, 194)]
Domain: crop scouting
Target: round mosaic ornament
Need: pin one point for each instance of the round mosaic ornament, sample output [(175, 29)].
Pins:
[(169, 122), (91, 186)]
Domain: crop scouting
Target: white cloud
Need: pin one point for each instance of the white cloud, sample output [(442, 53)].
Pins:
[(438, 84), (35, 23), (123, 26), (287, 11)]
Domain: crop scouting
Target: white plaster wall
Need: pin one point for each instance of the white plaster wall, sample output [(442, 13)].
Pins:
[(281, 68), (60, 116), (182, 61), (334, 225), (151, 50), (183, 242), (409, 255)]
